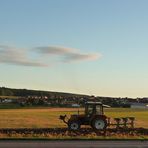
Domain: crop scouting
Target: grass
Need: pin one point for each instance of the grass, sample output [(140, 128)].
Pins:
[(9, 106), (30, 118), (48, 117)]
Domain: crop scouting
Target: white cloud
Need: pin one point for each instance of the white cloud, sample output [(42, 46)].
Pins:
[(16, 56), (24, 57), (54, 50), (67, 54), (77, 57)]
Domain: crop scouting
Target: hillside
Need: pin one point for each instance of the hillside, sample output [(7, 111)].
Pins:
[(26, 97), (26, 92)]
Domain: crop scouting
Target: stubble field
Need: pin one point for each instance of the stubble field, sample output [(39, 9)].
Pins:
[(49, 117), (44, 123)]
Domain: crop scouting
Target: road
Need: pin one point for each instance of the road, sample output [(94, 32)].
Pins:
[(72, 144)]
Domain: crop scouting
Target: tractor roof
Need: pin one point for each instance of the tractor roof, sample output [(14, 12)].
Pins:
[(97, 103), (91, 102)]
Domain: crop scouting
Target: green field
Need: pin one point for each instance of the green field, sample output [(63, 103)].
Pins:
[(48, 117)]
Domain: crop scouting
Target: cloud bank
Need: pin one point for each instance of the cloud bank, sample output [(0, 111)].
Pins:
[(26, 57)]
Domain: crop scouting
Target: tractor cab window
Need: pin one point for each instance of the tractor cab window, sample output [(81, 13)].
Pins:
[(99, 110), (89, 110)]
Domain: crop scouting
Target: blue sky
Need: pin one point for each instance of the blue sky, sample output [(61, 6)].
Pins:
[(96, 47)]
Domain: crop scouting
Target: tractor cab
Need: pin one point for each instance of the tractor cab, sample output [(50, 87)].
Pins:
[(94, 108)]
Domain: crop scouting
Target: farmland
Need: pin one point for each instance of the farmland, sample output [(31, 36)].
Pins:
[(44, 123), (48, 117)]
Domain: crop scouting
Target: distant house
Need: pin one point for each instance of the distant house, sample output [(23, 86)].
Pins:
[(7, 100), (139, 105), (75, 105)]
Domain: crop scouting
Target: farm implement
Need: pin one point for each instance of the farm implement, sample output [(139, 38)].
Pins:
[(94, 117)]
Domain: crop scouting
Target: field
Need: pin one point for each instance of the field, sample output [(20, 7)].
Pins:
[(48, 118)]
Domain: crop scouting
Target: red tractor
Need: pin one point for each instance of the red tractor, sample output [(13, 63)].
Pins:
[(93, 116)]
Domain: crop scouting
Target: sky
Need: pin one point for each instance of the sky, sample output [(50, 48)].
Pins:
[(93, 47)]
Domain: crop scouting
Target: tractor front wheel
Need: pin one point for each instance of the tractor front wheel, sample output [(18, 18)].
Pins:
[(74, 125), (99, 124)]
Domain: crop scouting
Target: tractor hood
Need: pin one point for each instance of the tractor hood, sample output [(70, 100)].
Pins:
[(76, 116)]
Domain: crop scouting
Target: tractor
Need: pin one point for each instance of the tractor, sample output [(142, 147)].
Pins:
[(93, 116)]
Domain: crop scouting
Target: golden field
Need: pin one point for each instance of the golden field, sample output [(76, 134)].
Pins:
[(49, 117)]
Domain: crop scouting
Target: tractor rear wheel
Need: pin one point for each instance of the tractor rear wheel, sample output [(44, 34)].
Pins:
[(74, 125), (99, 124)]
